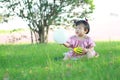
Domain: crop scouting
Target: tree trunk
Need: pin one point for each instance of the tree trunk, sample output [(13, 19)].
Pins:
[(31, 36), (43, 35), (35, 36), (46, 34), (31, 33)]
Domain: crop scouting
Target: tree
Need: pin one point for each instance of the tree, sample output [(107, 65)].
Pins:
[(39, 14), (3, 18)]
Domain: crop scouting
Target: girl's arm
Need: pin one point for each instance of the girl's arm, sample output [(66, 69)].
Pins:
[(85, 50), (66, 45)]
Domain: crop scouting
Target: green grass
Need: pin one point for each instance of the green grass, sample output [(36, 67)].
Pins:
[(11, 31), (38, 62)]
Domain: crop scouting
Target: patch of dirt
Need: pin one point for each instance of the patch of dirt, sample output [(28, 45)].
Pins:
[(15, 38)]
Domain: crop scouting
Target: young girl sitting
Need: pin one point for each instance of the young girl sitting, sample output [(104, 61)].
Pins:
[(81, 40)]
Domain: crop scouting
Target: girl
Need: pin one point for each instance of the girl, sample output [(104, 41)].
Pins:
[(81, 39)]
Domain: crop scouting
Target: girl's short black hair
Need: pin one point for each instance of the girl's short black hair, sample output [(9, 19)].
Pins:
[(83, 22)]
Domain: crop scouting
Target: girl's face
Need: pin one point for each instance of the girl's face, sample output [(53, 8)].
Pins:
[(80, 31)]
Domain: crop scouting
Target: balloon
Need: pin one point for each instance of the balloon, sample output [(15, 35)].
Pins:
[(60, 36)]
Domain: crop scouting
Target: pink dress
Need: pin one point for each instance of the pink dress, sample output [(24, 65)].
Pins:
[(75, 42)]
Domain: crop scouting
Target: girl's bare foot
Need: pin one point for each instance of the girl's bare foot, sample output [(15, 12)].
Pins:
[(96, 55)]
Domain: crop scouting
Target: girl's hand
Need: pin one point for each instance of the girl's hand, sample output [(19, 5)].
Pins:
[(84, 50), (61, 44), (66, 45)]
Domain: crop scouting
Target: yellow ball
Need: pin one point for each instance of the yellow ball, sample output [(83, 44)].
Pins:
[(78, 50)]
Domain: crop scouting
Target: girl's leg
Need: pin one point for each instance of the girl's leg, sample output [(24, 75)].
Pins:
[(92, 54), (97, 55), (67, 55)]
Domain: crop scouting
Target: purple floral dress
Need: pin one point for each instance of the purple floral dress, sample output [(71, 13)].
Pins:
[(84, 43)]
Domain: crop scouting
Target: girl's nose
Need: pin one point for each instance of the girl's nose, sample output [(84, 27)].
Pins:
[(76, 29)]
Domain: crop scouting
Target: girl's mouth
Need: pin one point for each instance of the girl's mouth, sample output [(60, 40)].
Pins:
[(77, 32)]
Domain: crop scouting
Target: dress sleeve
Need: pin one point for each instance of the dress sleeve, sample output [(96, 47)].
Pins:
[(91, 43), (70, 41)]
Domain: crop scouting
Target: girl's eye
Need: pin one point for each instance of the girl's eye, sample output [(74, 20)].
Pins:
[(77, 28)]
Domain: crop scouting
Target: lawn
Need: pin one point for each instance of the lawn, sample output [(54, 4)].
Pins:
[(11, 31), (42, 62)]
